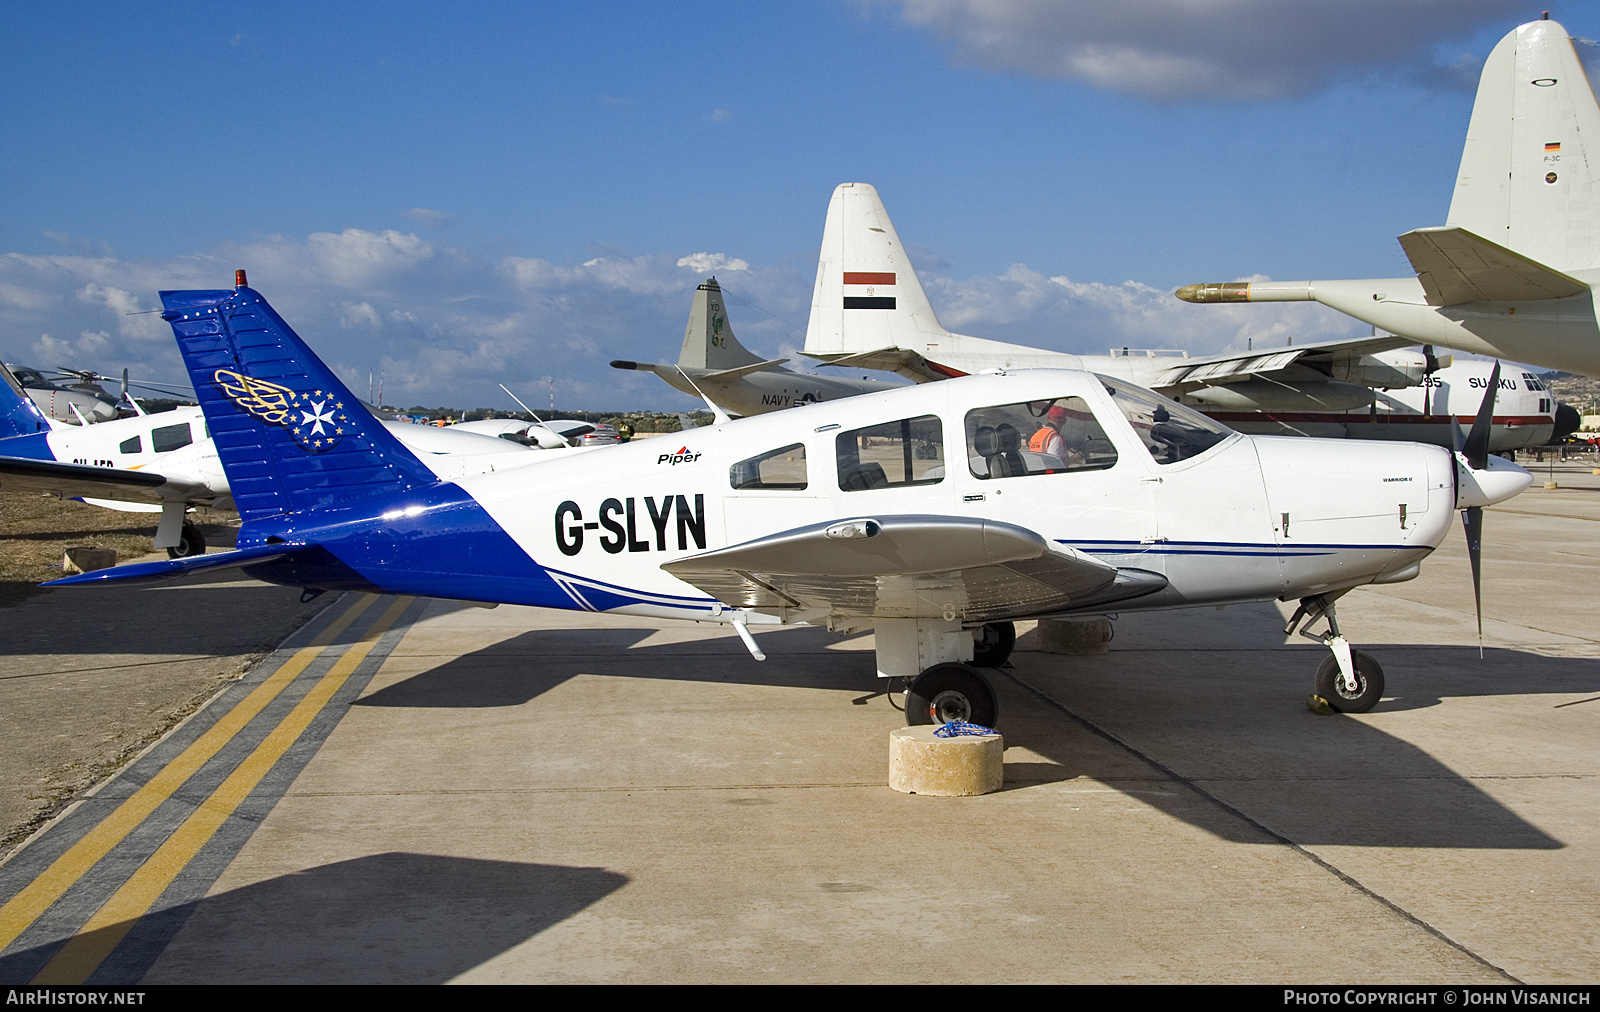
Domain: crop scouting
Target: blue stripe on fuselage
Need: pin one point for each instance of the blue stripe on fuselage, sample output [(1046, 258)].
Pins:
[(432, 541)]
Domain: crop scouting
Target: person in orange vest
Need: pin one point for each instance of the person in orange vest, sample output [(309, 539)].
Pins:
[(1048, 438)]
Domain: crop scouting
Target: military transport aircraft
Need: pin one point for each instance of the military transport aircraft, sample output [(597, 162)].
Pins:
[(913, 512), (167, 462), (714, 365), (868, 310), (1512, 271)]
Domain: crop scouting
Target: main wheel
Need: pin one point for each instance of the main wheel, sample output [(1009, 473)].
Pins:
[(190, 542), (949, 692), (1369, 684), (993, 644)]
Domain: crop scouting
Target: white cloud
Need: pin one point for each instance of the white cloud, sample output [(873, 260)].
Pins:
[(1187, 50), (430, 218), (703, 263), (353, 315), (446, 326)]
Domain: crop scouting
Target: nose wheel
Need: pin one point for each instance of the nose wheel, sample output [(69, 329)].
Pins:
[(1349, 681), (952, 692)]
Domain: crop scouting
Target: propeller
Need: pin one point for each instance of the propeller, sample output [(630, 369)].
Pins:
[(1430, 365), (1473, 450)]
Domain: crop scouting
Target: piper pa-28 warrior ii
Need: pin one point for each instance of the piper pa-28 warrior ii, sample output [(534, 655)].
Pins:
[(912, 512), (1512, 272)]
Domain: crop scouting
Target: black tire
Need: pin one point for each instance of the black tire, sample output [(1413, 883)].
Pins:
[(993, 645), (1369, 687), (947, 692), (190, 542)]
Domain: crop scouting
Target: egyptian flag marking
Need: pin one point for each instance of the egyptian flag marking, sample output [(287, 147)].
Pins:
[(868, 301)]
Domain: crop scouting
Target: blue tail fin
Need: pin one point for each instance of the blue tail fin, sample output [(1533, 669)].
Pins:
[(291, 436), (19, 416)]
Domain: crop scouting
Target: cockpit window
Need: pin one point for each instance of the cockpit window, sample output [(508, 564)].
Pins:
[(784, 467), (907, 452), (1170, 431), (1036, 437)]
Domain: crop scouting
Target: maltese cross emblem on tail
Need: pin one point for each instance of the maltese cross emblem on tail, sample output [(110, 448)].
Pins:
[(316, 419)]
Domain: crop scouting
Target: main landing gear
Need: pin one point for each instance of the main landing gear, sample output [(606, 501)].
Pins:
[(952, 692), (940, 660), (190, 542), (1349, 681)]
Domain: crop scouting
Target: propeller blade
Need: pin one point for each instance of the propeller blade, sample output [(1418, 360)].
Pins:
[(1472, 526), (1430, 365), (1476, 447)]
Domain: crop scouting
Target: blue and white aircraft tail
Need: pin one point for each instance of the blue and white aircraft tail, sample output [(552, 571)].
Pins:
[(19, 416), (290, 434)]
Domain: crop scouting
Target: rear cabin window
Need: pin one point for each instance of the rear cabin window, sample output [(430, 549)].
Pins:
[(907, 452), (783, 468), (1036, 437), (130, 446), (170, 437)]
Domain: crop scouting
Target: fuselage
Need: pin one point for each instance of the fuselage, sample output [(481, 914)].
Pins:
[(1224, 517)]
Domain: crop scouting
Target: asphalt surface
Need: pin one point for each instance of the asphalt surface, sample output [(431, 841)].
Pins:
[(414, 791)]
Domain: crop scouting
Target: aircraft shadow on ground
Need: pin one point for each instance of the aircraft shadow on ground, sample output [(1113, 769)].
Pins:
[(385, 919), (1314, 779)]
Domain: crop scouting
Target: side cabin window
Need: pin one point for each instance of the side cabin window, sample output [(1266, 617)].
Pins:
[(783, 468), (130, 446), (907, 452), (1036, 437), (1170, 431), (170, 437)]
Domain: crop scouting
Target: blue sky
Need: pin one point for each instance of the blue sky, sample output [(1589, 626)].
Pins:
[(462, 195)]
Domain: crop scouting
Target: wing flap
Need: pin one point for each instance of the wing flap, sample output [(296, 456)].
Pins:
[(907, 567), (1456, 266)]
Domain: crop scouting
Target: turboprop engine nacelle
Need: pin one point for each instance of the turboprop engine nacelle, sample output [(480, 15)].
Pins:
[(1262, 395), (1390, 369)]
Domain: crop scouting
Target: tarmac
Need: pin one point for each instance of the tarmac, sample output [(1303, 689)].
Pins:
[(415, 791)]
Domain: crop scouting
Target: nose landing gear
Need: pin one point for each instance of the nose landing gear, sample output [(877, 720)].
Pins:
[(1348, 682)]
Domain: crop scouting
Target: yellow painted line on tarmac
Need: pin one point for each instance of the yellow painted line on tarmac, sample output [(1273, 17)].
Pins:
[(26, 906), (86, 950)]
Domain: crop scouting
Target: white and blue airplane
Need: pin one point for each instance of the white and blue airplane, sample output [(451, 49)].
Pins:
[(913, 512)]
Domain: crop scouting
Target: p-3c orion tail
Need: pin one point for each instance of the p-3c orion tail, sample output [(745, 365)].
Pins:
[(1511, 273)]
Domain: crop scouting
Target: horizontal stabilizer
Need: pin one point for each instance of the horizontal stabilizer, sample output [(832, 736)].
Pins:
[(743, 370), (177, 569), (1455, 267), (910, 364)]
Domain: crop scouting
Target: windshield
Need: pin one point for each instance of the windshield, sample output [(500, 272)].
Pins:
[(1170, 431)]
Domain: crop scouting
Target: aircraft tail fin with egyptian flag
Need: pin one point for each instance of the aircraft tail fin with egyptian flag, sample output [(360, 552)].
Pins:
[(867, 296)]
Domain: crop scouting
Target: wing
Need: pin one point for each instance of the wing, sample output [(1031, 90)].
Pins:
[(1325, 357), (73, 481), (910, 567)]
